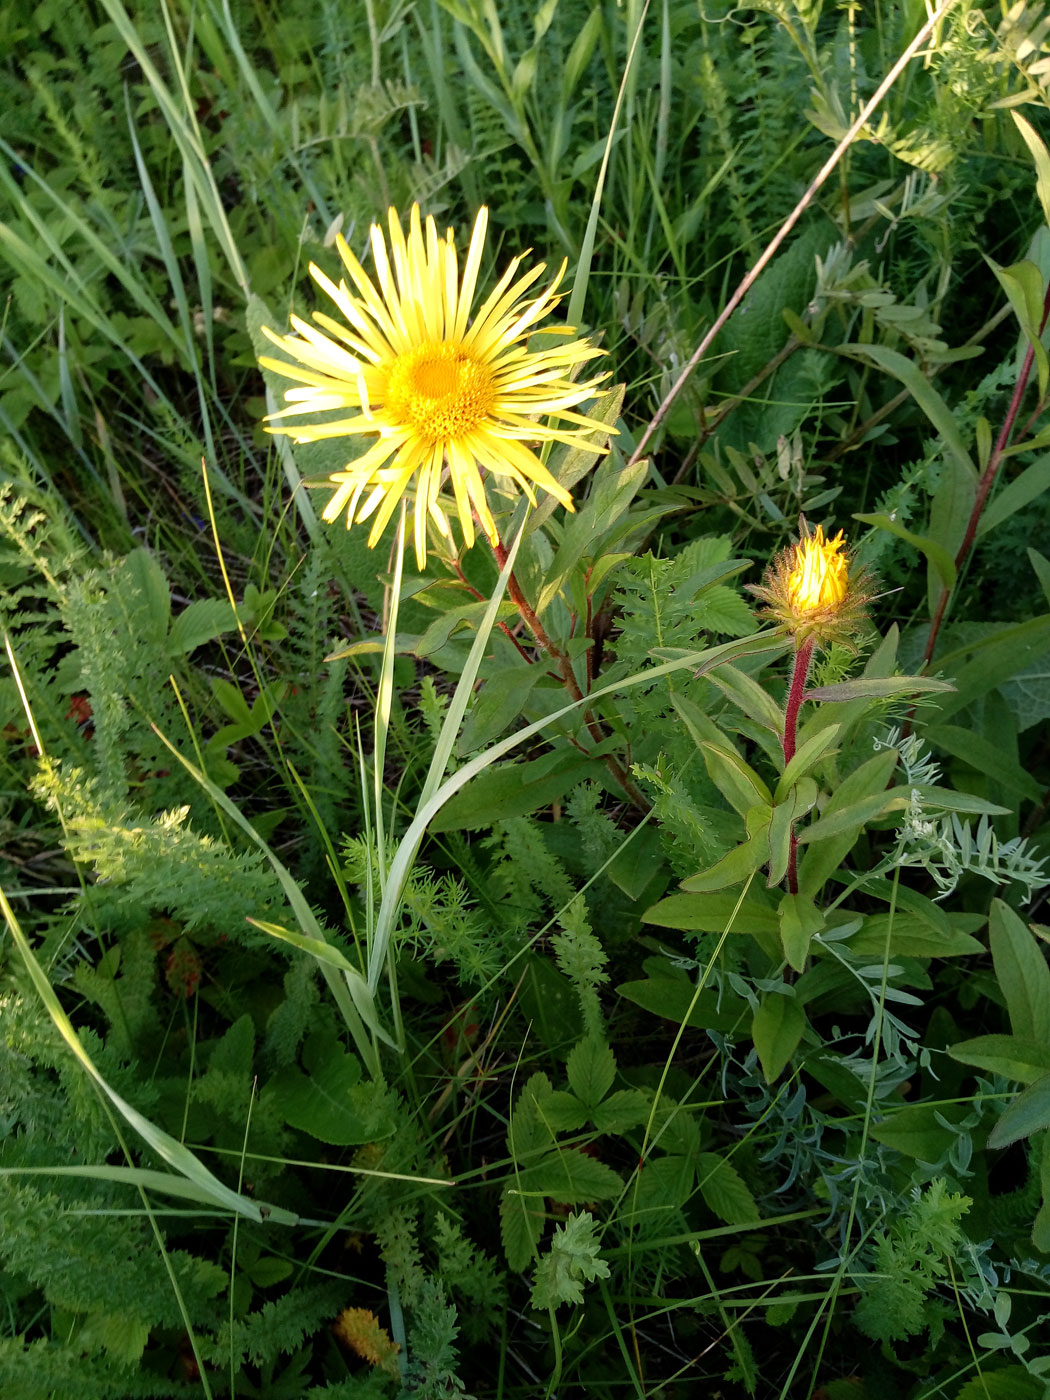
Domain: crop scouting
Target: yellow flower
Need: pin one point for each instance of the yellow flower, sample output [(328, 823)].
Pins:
[(445, 397), (810, 590), (820, 577)]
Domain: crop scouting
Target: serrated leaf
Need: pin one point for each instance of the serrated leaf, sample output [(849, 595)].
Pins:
[(724, 1189), (201, 622), (573, 1178), (331, 1103), (521, 1221), (591, 1069), (620, 1112), (564, 1113)]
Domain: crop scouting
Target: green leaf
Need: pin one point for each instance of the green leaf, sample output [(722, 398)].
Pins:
[(1022, 973), (916, 1132), (936, 553), (330, 1102), (806, 758), (931, 403), (146, 575), (724, 1190), (741, 861), (911, 936), (713, 913), (201, 622), (986, 757), (1029, 1113), (777, 1028), (1035, 145), (521, 1221), (497, 704), (564, 1113), (676, 1000), (736, 780), (879, 688), (1023, 285), (512, 790), (591, 1069), (798, 802), (800, 919), (823, 859), (1022, 491), (1012, 1056), (572, 1178), (994, 658), (749, 697), (854, 817), (620, 1112), (572, 1261), (1003, 1383)]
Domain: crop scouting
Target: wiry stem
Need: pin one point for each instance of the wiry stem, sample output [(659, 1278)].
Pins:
[(796, 694), (985, 484), (568, 676)]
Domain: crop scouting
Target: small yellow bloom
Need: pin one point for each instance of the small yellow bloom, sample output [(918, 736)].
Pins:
[(820, 577), (810, 590), (444, 395)]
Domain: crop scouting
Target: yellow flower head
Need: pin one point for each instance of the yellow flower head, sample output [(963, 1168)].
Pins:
[(820, 578), (444, 395), (810, 590)]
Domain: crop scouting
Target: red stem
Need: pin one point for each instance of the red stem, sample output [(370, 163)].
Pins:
[(796, 694), (986, 482)]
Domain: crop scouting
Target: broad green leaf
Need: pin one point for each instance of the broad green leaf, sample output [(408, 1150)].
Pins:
[(1022, 491), (1041, 566), (992, 659), (916, 1132), (724, 1190), (713, 913), (571, 1178), (521, 1220), (145, 574), (1029, 1113), (936, 553), (911, 936), (798, 802), (854, 817), (864, 783), (931, 403), (564, 1113), (1023, 285), (742, 860), (1022, 973), (591, 1069), (750, 697), (1012, 1056), (987, 758), (201, 622), (497, 704), (513, 790), (800, 919), (806, 758), (1034, 142), (620, 1112), (330, 1102), (777, 1028), (676, 1000), (468, 615), (738, 782), (879, 688)]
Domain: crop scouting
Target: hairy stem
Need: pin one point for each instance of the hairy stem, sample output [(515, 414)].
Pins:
[(796, 694)]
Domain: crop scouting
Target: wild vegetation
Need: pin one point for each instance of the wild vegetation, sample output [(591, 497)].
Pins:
[(605, 960)]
